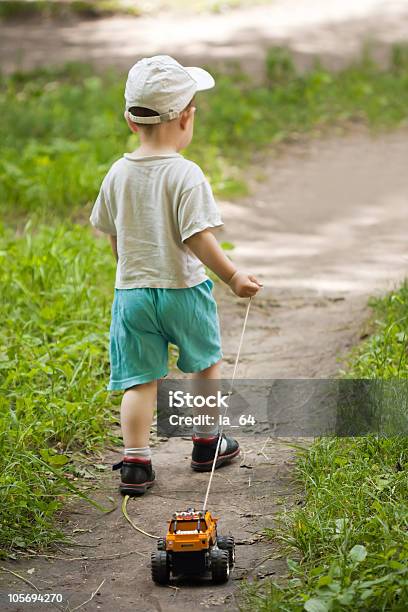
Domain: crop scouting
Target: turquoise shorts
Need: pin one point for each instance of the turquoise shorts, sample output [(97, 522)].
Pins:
[(145, 321)]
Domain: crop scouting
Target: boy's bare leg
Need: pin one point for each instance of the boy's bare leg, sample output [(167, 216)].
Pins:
[(136, 414), (207, 382)]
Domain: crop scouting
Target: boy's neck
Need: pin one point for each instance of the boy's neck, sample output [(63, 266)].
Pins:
[(161, 142), (145, 150)]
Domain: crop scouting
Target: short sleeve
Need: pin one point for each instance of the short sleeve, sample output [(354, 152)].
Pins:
[(101, 216), (197, 210)]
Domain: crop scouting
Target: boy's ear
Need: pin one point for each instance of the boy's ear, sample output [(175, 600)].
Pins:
[(132, 126), (185, 117)]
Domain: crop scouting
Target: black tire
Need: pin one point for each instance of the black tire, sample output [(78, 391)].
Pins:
[(220, 567), (160, 567), (161, 544), (227, 543)]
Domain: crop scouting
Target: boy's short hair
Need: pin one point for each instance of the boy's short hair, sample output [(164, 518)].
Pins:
[(140, 111)]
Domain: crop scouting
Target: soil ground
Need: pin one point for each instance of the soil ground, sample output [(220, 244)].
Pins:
[(325, 228)]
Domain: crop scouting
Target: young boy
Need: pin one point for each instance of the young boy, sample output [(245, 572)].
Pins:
[(158, 210)]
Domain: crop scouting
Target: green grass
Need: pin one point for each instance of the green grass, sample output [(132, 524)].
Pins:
[(23, 9), (347, 546), (54, 308), (61, 129), (385, 354)]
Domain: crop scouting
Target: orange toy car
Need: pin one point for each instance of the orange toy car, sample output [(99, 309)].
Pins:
[(192, 547)]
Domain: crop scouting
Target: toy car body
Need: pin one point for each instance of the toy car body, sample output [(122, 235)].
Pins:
[(192, 547)]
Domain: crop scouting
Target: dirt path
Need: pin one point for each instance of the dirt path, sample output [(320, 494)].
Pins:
[(244, 511), (333, 30), (325, 229)]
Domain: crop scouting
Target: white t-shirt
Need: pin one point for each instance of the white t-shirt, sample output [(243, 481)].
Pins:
[(152, 204)]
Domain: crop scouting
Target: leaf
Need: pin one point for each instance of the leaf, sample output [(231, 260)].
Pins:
[(317, 570), (341, 524), (346, 596), (377, 506), (396, 565), (316, 605), (19, 542), (45, 453), (366, 594), (358, 553), (293, 566), (381, 482), (324, 581), (54, 459), (59, 460)]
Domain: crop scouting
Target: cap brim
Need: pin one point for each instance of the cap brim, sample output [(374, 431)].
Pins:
[(203, 78)]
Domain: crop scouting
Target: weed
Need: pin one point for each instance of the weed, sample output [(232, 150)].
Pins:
[(384, 354), (22, 9), (54, 309)]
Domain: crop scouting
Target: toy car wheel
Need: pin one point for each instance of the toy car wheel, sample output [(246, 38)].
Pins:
[(227, 543), (161, 544), (160, 567), (220, 567)]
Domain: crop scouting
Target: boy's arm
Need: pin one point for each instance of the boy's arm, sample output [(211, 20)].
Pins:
[(114, 245), (205, 246)]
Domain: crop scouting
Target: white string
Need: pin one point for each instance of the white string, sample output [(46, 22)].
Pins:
[(217, 450)]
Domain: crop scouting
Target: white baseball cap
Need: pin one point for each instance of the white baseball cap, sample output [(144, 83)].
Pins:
[(163, 85)]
